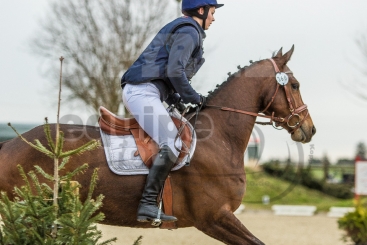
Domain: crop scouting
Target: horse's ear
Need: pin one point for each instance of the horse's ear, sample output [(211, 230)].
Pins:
[(279, 54), (287, 56)]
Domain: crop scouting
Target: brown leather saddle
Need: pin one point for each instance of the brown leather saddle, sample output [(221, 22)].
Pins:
[(147, 148)]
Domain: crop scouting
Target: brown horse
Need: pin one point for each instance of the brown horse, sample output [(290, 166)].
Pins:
[(206, 193)]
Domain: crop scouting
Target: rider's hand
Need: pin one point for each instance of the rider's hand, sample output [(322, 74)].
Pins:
[(202, 103), (180, 107), (173, 99)]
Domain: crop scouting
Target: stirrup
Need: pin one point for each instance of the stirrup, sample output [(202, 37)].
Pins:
[(157, 221)]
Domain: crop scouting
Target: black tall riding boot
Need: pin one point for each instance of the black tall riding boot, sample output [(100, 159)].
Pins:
[(158, 173)]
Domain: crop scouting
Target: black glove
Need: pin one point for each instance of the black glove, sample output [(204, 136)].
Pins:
[(202, 103), (180, 107), (199, 106), (173, 99), (176, 101)]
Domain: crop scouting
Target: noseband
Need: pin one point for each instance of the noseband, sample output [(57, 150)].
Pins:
[(282, 80)]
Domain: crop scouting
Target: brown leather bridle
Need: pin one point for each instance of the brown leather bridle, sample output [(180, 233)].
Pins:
[(275, 121)]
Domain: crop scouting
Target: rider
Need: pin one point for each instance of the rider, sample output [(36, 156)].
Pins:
[(162, 73)]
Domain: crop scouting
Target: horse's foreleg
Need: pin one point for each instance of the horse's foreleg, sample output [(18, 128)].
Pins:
[(225, 227)]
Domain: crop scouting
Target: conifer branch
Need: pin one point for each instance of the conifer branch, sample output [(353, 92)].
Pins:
[(138, 241), (36, 183), (43, 149), (24, 176), (60, 145), (93, 183), (65, 160), (43, 173), (46, 187), (91, 145), (47, 130), (37, 147), (77, 171), (107, 241)]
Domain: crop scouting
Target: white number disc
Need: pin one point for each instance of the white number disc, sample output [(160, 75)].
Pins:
[(282, 78)]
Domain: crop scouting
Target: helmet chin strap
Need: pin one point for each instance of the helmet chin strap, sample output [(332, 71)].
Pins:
[(203, 16)]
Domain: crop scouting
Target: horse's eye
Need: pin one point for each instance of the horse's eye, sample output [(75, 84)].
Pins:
[(295, 86)]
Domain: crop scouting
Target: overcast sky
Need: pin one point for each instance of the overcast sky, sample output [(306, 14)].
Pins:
[(325, 56)]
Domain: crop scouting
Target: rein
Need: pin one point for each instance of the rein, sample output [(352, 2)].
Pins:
[(273, 119)]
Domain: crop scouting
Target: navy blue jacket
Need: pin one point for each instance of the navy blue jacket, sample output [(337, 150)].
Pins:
[(171, 59)]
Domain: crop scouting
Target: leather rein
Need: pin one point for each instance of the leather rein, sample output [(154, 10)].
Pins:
[(275, 121)]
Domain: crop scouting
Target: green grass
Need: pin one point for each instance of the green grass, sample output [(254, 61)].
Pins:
[(335, 171), (283, 192)]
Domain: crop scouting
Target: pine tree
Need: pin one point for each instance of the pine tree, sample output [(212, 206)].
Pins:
[(33, 218), (40, 215)]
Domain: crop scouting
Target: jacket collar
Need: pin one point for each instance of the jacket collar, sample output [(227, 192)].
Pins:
[(202, 32)]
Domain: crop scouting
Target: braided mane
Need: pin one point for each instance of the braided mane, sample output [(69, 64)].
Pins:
[(231, 76), (212, 93)]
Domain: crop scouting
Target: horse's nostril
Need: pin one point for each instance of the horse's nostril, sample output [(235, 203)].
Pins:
[(313, 130)]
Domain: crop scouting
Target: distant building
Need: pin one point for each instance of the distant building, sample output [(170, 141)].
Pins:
[(253, 149), (252, 154)]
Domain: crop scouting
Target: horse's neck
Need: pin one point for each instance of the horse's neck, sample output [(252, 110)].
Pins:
[(243, 93)]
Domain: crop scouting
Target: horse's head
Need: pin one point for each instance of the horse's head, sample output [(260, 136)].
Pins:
[(283, 99)]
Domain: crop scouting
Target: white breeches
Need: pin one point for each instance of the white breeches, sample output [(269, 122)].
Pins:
[(143, 102)]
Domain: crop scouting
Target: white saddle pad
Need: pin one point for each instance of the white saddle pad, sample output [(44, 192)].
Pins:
[(120, 151)]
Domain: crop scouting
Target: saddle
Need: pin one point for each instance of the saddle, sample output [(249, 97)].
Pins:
[(147, 148)]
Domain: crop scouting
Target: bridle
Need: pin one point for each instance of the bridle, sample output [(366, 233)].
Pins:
[(282, 80)]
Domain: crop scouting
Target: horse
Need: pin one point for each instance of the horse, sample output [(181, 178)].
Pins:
[(206, 193)]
